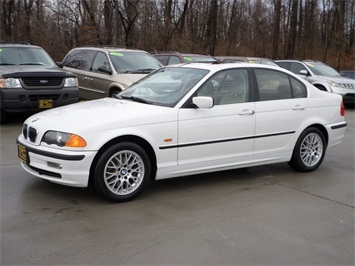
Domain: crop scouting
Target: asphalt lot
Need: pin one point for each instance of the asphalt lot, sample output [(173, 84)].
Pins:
[(267, 215)]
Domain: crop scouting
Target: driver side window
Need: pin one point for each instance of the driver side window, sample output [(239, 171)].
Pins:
[(227, 87), (101, 60)]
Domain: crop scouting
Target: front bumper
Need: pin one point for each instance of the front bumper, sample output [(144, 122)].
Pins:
[(20, 100), (70, 168)]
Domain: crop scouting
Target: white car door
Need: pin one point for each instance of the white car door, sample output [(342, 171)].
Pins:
[(279, 113), (223, 134)]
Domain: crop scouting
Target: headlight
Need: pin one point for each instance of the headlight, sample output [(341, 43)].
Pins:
[(71, 82), (334, 84), (10, 83), (62, 139)]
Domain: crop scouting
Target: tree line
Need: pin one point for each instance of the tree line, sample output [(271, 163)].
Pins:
[(298, 29)]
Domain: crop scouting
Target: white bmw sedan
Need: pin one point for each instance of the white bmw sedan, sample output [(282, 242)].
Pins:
[(183, 120)]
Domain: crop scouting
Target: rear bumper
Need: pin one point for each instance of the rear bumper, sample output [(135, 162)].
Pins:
[(20, 100)]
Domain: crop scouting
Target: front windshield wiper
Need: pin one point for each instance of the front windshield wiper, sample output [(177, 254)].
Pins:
[(138, 71), (132, 98), (6, 64)]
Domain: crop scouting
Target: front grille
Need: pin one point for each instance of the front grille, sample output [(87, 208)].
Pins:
[(29, 133), (35, 98), (347, 85), (42, 82), (32, 134), (24, 130)]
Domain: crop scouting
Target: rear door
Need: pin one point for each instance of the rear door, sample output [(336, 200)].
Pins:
[(279, 112)]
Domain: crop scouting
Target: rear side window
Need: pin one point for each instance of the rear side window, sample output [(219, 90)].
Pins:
[(174, 60), (298, 89), (274, 85), (297, 67), (284, 64), (80, 59)]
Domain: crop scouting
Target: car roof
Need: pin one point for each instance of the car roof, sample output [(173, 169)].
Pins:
[(221, 66), (6, 44), (301, 61), (180, 53), (109, 49)]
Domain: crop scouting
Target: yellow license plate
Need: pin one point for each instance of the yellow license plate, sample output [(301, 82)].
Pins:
[(45, 103), (22, 153)]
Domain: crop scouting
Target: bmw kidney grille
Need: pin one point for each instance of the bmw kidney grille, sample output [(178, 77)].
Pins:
[(29, 132)]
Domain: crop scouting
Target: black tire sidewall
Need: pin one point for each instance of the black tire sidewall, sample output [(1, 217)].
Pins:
[(99, 181), (296, 161)]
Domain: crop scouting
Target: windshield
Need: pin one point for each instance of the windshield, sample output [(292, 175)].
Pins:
[(25, 56), (133, 62), (323, 70), (164, 87)]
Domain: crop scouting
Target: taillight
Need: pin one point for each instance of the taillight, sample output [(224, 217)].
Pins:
[(342, 109)]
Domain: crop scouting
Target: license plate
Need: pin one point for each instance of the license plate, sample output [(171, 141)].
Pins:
[(22, 153), (45, 103)]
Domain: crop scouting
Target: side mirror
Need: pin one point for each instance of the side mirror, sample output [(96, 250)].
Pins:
[(204, 102), (304, 72), (59, 64)]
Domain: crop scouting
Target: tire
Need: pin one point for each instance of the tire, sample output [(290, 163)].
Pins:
[(122, 172), (309, 150)]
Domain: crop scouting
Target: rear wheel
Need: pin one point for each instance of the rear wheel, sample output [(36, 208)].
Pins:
[(309, 151), (122, 171)]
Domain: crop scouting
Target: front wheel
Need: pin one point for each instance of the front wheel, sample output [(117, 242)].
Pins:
[(309, 151), (122, 171)]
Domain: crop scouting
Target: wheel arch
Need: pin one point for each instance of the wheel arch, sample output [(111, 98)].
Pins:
[(322, 129), (127, 138), (114, 88), (320, 86)]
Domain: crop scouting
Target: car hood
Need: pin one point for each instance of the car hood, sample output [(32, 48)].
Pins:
[(339, 79), (97, 115), (29, 70)]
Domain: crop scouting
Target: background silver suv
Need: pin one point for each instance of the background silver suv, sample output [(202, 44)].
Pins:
[(105, 71), (322, 76)]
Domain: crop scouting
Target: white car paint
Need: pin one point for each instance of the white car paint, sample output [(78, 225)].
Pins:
[(184, 140)]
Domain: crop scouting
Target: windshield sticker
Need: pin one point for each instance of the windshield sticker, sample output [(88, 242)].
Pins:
[(0, 50), (308, 64), (187, 58), (116, 54)]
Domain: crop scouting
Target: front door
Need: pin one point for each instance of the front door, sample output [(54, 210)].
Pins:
[(224, 134)]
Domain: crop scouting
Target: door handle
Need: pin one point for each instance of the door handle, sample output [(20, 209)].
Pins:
[(299, 107), (246, 112)]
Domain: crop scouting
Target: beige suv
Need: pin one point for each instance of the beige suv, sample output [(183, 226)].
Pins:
[(105, 71)]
